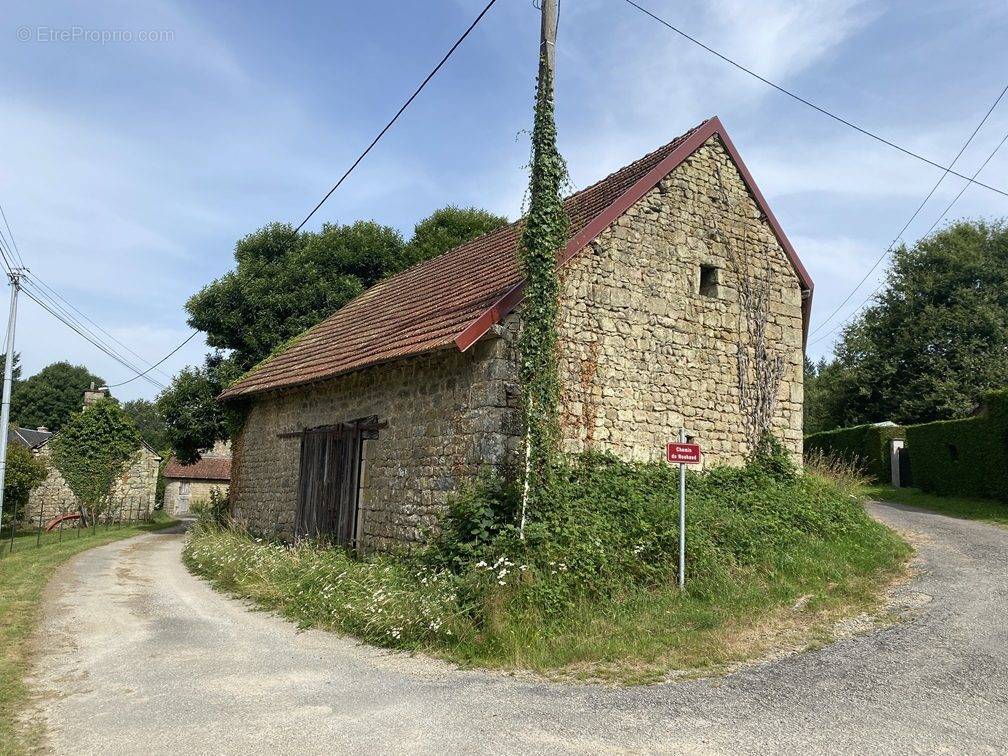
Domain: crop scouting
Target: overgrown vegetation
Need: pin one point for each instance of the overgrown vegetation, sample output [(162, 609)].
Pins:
[(864, 446), (23, 576), (544, 233), (24, 472), (92, 450), (591, 590)]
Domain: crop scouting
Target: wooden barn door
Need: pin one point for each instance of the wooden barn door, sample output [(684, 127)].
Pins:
[(327, 491)]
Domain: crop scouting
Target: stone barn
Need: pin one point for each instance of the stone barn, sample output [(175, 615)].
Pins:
[(675, 279)]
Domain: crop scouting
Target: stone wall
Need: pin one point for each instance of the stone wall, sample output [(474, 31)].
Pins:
[(642, 352), (199, 490), (132, 493), (447, 417)]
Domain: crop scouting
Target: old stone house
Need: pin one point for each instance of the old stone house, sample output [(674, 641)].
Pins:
[(185, 484), (365, 425), (133, 492), (132, 495)]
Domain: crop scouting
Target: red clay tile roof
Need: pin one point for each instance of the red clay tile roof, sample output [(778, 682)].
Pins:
[(208, 468), (458, 295)]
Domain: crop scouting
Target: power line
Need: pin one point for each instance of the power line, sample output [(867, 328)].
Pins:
[(810, 104), (144, 374), (69, 324), (932, 228), (405, 105), (69, 304), (916, 212), (69, 319), (11, 233)]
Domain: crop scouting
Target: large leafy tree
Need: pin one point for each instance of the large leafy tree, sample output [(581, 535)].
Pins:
[(825, 391), (449, 227), (16, 369), (147, 418), (52, 396), (24, 472), (286, 282), (194, 419), (283, 284), (937, 335)]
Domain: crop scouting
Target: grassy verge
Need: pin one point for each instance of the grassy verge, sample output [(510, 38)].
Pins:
[(23, 576), (771, 563), (985, 510)]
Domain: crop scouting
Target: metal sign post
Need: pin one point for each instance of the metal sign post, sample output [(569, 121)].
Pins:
[(682, 454)]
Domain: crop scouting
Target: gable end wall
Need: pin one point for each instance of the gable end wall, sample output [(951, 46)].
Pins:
[(642, 352)]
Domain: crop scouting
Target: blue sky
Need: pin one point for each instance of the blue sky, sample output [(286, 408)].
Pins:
[(129, 168)]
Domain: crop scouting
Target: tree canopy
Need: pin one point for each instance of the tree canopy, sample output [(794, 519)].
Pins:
[(15, 370), (936, 337), (149, 421), (449, 227), (52, 396), (24, 472), (194, 419)]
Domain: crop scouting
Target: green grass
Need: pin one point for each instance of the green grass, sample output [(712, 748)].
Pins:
[(23, 576), (985, 510), (770, 565)]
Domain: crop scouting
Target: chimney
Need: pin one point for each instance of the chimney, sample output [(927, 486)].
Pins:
[(42, 429), (93, 395)]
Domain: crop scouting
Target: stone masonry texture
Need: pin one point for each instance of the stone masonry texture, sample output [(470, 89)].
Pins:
[(642, 353), (132, 494)]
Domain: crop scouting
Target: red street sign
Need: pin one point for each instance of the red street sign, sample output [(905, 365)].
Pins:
[(684, 454)]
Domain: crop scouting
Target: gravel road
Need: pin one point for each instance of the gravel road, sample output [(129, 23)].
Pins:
[(139, 656)]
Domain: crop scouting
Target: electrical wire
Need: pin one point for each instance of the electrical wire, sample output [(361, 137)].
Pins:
[(809, 103), (144, 374), (54, 293), (934, 225), (69, 324), (916, 212), (68, 316), (395, 118)]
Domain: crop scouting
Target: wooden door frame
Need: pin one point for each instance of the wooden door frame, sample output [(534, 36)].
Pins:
[(345, 507)]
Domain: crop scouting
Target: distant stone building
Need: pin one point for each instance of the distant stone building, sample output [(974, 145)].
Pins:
[(365, 426), (133, 492), (185, 484)]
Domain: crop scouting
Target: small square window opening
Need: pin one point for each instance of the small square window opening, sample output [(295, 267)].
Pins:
[(708, 281)]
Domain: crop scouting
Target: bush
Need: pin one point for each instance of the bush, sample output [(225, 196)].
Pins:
[(211, 512), (866, 446), (966, 457), (24, 472)]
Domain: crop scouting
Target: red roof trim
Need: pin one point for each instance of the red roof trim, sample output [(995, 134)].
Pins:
[(503, 306)]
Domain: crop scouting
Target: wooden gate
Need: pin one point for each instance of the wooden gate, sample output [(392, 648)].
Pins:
[(329, 480)]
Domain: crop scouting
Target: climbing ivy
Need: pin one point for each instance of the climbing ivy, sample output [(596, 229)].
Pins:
[(545, 231), (92, 449)]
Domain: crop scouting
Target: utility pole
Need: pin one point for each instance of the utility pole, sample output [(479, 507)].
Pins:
[(15, 282), (547, 36)]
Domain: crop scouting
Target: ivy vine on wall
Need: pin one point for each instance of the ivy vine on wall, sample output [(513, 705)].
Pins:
[(91, 451)]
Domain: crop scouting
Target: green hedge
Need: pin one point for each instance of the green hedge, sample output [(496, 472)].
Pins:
[(868, 445), (964, 457)]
